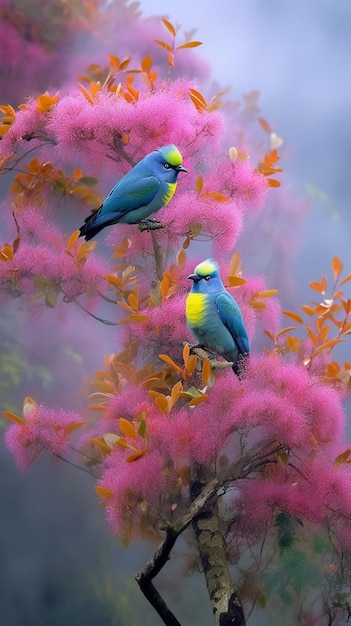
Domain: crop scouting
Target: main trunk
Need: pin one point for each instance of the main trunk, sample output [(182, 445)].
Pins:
[(226, 606)]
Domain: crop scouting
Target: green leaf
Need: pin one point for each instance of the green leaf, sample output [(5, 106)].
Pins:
[(142, 429), (89, 181)]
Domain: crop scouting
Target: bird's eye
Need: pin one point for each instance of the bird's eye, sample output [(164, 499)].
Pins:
[(166, 166), (207, 278)]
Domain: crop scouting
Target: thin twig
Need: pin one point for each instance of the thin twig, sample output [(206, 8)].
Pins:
[(158, 255)]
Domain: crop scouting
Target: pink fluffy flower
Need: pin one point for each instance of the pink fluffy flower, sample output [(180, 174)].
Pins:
[(134, 488), (41, 428)]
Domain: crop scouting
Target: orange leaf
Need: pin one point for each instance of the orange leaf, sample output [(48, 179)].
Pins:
[(268, 293), (169, 26), (134, 317), (269, 334), (133, 301), (198, 96), (337, 267), (293, 343), (346, 279), (69, 429), (146, 63), (236, 281), (103, 492), (13, 417), (320, 287), (160, 401), (235, 264), (346, 328), (190, 44), (219, 197), (181, 258), (99, 443), (272, 182), (186, 353), (6, 253), (136, 455), (164, 45), (206, 371), (86, 93), (294, 316), (124, 64), (286, 330), (199, 184), (327, 346), (191, 364), (114, 62), (126, 428), (73, 238), (175, 393), (45, 102), (197, 400), (198, 104), (167, 359), (343, 458), (16, 243), (308, 309), (114, 280), (264, 125)]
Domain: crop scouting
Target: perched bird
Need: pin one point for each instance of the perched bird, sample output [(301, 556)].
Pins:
[(147, 187), (214, 318)]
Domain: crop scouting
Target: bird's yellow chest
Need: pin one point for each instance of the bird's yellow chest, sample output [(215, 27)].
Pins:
[(171, 187), (195, 308)]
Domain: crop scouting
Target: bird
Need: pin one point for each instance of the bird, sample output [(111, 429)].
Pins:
[(214, 317), (147, 187)]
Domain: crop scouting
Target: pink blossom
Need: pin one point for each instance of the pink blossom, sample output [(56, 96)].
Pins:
[(131, 494), (42, 428)]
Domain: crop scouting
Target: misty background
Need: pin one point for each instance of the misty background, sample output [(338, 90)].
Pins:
[(53, 535)]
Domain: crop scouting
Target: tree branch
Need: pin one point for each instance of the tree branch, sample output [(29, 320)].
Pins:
[(203, 500), (213, 558)]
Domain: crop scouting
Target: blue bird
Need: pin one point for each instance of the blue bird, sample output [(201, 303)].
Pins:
[(147, 187), (214, 318)]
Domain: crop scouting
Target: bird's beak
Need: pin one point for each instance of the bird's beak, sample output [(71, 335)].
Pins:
[(194, 277), (180, 168)]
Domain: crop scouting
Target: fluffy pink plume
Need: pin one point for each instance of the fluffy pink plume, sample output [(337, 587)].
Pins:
[(42, 429), (131, 495)]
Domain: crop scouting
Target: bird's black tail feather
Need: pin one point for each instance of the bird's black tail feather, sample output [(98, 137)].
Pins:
[(239, 366), (89, 229)]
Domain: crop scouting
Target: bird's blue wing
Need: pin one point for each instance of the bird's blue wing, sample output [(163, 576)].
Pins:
[(130, 193), (232, 318)]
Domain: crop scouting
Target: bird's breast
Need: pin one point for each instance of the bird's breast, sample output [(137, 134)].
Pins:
[(196, 305), (171, 187)]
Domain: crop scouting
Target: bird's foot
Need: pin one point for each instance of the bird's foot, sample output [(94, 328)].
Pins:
[(194, 346), (149, 224)]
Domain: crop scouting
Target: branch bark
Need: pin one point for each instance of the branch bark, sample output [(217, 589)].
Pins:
[(202, 513), (226, 606)]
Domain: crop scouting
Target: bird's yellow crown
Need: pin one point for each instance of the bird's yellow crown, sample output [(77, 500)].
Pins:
[(171, 154), (207, 267)]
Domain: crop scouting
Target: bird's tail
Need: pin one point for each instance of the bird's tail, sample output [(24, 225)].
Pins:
[(239, 366), (90, 228)]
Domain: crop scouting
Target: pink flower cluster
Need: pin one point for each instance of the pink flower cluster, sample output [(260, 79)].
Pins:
[(273, 403), (41, 255), (166, 116), (42, 429)]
